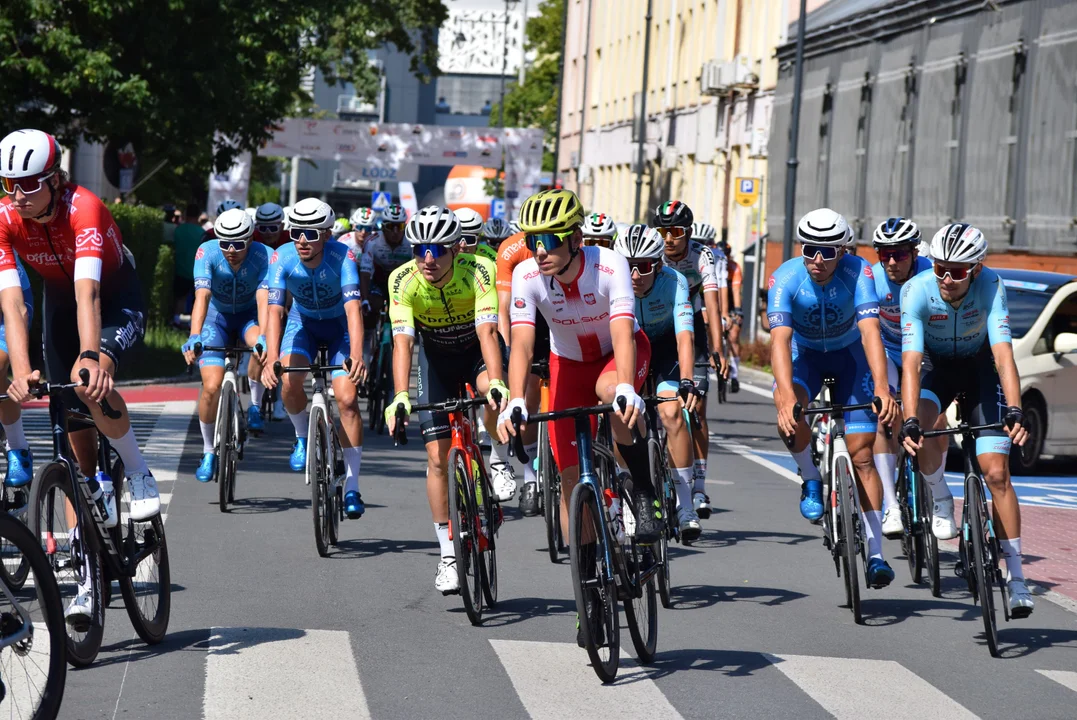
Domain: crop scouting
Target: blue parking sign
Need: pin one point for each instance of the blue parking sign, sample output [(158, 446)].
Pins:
[(747, 185), (497, 208)]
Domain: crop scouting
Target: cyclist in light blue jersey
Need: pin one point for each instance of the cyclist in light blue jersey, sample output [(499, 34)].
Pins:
[(896, 241), (664, 313), (20, 462), (323, 279), (229, 307), (956, 339), (824, 320)]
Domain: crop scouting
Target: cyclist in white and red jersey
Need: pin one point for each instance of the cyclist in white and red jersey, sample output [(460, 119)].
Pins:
[(598, 352)]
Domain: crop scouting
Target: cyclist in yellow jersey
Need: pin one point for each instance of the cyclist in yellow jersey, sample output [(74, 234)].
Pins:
[(450, 298), (470, 233)]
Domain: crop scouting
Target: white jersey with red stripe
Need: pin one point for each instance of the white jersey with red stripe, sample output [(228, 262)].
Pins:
[(578, 311)]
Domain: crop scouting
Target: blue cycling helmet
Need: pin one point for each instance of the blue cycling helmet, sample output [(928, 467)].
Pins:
[(228, 204), (269, 213)]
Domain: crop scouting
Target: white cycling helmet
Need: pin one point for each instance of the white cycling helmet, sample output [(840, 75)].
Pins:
[(959, 243), (640, 241), (25, 153), (394, 214), (824, 227), (364, 217), (269, 213), (434, 225), (896, 231), (312, 214), (234, 224), (598, 225), (496, 230), (703, 232), (470, 222)]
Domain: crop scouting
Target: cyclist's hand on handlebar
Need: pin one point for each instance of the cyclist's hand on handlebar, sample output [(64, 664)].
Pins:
[(99, 385), (269, 377), (505, 428), (188, 348), (503, 393), (689, 395), (261, 341), (633, 404), (356, 370), (1014, 427), (365, 305), (19, 389), (912, 437), (787, 423), (889, 409), (401, 398)]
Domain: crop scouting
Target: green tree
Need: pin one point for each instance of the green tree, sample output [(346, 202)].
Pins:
[(169, 74), (534, 103)]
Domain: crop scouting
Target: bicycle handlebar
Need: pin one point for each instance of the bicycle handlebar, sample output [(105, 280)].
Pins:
[(400, 436), (40, 390), (962, 429), (876, 404), (279, 369), (199, 348)]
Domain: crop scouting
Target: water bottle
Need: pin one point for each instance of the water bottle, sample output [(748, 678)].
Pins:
[(613, 508)]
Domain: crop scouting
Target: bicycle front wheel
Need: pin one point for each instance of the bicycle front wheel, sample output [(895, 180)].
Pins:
[(147, 593), (641, 613), (317, 475), (464, 528), (911, 539), (32, 632), (490, 516), (669, 503), (593, 584), (226, 448), (13, 563), (983, 564), (847, 531), (551, 496), (928, 542)]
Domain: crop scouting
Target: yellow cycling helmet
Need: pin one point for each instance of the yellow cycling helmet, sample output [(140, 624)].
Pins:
[(551, 211)]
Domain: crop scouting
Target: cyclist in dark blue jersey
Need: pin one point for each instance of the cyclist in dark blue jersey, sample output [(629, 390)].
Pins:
[(956, 339), (229, 307), (664, 313), (824, 320)]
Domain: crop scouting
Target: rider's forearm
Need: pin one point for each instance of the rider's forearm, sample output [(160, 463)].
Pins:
[(624, 351), (781, 359), (504, 297), (402, 345), (712, 308), (910, 382), (273, 330), (353, 311), (1007, 373), (491, 350), (261, 298), (871, 335), (686, 354), (520, 361), (18, 335), (199, 310), (88, 310)]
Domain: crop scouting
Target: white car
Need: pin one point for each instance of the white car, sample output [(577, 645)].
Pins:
[(1043, 321)]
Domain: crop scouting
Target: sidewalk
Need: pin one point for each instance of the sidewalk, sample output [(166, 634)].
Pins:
[(1048, 532)]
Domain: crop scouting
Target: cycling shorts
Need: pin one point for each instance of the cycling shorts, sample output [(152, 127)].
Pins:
[(700, 374), (123, 327), (977, 377), (849, 366), (666, 365), (224, 329), (444, 380), (572, 385), (303, 335)]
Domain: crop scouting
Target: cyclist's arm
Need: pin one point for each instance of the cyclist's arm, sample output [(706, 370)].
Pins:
[(872, 337), (912, 346), (523, 313), (686, 354), (402, 345), (203, 288), (504, 297), (88, 311), (353, 312), (402, 318), (780, 317), (684, 328), (353, 309), (276, 297), (487, 318), (15, 326), (261, 299), (712, 311), (199, 309), (622, 331), (1000, 337), (781, 359), (735, 282)]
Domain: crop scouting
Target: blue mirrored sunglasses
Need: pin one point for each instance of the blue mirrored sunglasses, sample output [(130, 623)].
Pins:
[(308, 234), (435, 251)]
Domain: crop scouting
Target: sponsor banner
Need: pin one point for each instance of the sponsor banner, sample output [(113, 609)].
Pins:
[(231, 184), (376, 172)]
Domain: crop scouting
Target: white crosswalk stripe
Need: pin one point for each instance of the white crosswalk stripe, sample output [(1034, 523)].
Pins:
[(890, 685), (281, 673), (1066, 678)]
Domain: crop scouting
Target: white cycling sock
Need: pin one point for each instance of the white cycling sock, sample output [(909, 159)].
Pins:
[(257, 391), (442, 530), (495, 454), (682, 484), (300, 421), (207, 436), (529, 466), (699, 475), (16, 436), (353, 458), (127, 448), (886, 464), (873, 530), (937, 483), (734, 366), (1011, 550), (808, 471)]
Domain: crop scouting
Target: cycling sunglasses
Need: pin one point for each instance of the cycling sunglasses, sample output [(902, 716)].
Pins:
[(643, 267), (28, 185), (597, 240), (307, 234), (548, 241), (900, 255), (675, 232), (232, 245), (396, 227), (469, 240), (829, 252), (267, 228), (957, 274), (436, 251)]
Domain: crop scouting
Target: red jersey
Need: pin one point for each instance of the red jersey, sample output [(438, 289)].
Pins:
[(81, 241)]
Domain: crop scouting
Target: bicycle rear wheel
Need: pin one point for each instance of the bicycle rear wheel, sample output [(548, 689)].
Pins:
[(491, 520), (661, 548), (317, 469), (72, 561), (463, 526), (847, 537), (641, 612), (226, 448), (147, 594), (983, 564), (928, 542), (596, 594), (13, 563), (551, 496), (33, 667)]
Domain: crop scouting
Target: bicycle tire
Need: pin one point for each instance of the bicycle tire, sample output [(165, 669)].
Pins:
[(385, 380), (551, 496), (14, 576), (225, 449), (641, 614), (490, 510), (463, 524), (584, 511), (45, 608), (848, 542), (929, 543), (139, 590), (981, 566), (911, 540), (317, 462), (49, 518), (662, 546)]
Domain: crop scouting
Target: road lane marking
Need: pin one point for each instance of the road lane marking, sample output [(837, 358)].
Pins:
[(1065, 678), (554, 680), (747, 452), (769, 394), (841, 686), (260, 673)]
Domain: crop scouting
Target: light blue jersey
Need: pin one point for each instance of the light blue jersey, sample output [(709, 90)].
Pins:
[(932, 326), (889, 294), (232, 290), (666, 308), (320, 292)]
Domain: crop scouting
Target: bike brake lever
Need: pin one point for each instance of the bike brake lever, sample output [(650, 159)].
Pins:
[(400, 433), (878, 403), (110, 412), (636, 437), (516, 447)]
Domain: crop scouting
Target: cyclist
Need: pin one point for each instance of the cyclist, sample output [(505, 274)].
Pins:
[(340, 227), (664, 312), (956, 333), (471, 224), (697, 263), (222, 207), (383, 253), (229, 306), (20, 461), (364, 222), (895, 240), (269, 225), (736, 314), (494, 231), (323, 280), (598, 352), (599, 229), (448, 297), (820, 306), (704, 233), (94, 313)]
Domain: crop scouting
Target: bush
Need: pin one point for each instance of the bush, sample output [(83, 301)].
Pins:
[(143, 233), (160, 305), (756, 354)]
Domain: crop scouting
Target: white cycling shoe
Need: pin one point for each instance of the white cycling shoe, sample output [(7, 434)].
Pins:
[(892, 527), (145, 501), (80, 612), (447, 581), (504, 481), (1021, 602), (942, 519), (688, 522)]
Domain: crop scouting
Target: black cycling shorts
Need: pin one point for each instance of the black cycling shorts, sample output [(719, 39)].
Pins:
[(944, 378), (444, 380), (700, 374)]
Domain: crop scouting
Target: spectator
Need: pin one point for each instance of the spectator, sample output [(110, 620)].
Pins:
[(169, 224), (442, 106), (487, 108), (186, 239)]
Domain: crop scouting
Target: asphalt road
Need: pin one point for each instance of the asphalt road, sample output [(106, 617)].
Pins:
[(262, 627)]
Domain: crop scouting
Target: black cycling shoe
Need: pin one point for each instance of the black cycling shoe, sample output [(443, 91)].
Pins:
[(650, 520), (734, 385), (529, 499)]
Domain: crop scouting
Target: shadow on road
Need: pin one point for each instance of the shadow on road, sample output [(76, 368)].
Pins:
[(199, 639), (728, 538), (691, 597), (515, 610), (373, 547), (734, 663), (261, 505)]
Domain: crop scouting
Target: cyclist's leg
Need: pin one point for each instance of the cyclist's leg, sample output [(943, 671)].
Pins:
[(850, 365), (20, 470), (885, 454), (572, 384), (297, 347), (666, 370), (502, 476), (351, 422), (807, 381), (700, 432), (250, 335), (734, 352)]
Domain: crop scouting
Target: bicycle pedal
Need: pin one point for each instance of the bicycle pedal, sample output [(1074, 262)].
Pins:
[(959, 570)]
